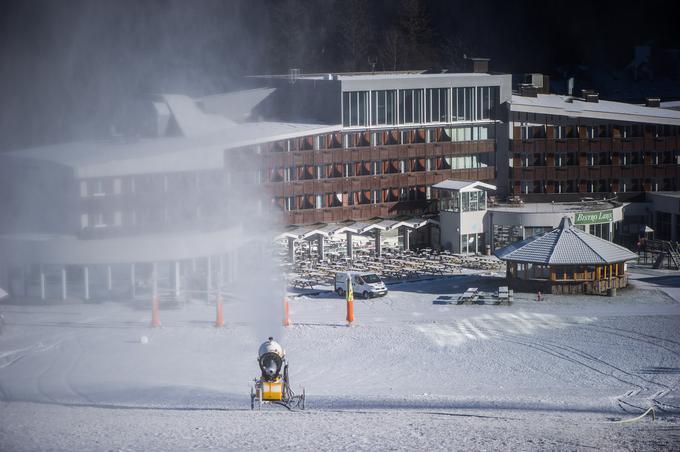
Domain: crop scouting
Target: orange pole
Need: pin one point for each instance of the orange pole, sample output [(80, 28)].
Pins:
[(155, 316), (219, 321), (286, 318), (350, 311)]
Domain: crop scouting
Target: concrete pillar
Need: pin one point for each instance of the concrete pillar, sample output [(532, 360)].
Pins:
[(220, 280), (109, 278), (406, 238), (86, 282), (208, 279), (154, 279), (350, 251), (291, 250), (133, 280), (177, 280), (234, 265), (378, 245), (64, 290), (228, 269), (321, 250), (42, 283)]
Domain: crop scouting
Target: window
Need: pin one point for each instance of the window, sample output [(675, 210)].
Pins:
[(355, 108), (437, 105), (384, 107), (410, 106), (487, 99)]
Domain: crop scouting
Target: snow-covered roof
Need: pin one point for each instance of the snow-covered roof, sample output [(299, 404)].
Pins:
[(553, 104), (236, 106), (190, 119), (463, 185), (565, 245), (354, 227), (166, 154)]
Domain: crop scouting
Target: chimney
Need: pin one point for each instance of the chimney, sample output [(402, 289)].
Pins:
[(653, 102), (480, 65), (528, 90), (590, 96)]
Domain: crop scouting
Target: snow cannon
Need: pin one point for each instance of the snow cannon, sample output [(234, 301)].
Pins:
[(273, 385)]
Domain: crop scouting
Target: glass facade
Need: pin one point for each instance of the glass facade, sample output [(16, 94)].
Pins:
[(437, 105), (383, 107), (355, 108), (410, 106), (419, 106)]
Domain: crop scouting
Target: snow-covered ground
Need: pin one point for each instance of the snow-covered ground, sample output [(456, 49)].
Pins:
[(409, 374)]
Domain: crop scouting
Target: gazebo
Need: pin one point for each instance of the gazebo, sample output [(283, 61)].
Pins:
[(566, 260)]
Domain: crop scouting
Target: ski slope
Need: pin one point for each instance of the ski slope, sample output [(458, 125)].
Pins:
[(407, 374)]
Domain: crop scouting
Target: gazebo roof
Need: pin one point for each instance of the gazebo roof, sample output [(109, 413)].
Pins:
[(565, 245)]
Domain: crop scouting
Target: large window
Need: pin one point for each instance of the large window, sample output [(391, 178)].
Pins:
[(355, 108), (410, 106), (463, 104), (487, 98), (473, 201), (437, 105), (384, 107)]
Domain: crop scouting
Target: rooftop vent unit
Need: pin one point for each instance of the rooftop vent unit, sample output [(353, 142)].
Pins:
[(654, 102), (528, 90), (590, 96)]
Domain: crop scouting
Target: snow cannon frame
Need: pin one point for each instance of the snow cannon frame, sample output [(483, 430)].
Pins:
[(274, 388)]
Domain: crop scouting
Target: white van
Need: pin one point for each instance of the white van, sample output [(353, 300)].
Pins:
[(366, 284)]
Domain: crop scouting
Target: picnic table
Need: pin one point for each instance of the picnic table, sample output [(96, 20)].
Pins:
[(469, 296), (301, 283)]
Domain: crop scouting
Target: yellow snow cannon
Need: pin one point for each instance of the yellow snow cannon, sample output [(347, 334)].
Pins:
[(273, 385)]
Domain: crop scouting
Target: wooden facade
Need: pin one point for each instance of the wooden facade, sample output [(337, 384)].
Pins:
[(567, 279), (386, 180)]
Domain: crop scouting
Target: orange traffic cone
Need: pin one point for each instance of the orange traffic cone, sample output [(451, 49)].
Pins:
[(286, 317), (219, 321), (155, 316)]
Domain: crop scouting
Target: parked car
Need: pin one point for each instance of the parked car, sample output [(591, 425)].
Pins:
[(366, 284)]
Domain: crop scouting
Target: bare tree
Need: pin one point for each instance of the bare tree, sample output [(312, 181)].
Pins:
[(356, 34), (389, 50), (416, 33)]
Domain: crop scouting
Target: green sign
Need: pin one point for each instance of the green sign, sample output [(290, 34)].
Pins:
[(599, 216)]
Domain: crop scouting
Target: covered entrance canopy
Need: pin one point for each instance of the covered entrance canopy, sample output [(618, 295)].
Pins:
[(372, 228)]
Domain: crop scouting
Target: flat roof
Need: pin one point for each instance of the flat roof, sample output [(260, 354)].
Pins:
[(557, 207), (164, 154), (463, 185), (665, 194), (553, 104)]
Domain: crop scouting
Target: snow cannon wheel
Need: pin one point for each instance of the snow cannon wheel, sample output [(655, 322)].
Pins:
[(252, 398)]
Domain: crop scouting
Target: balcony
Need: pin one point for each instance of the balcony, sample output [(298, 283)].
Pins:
[(400, 151), (359, 212), (604, 144), (376, 182)]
